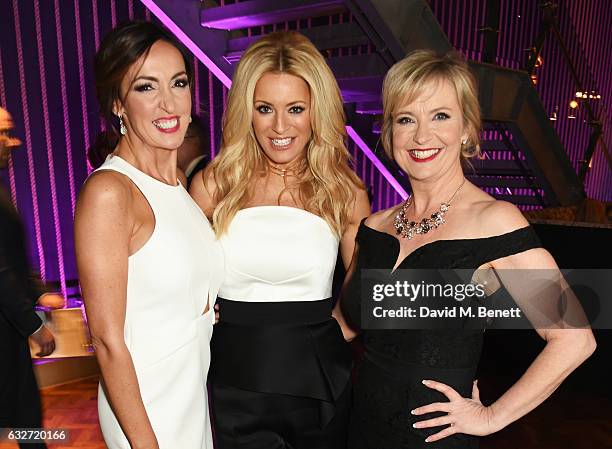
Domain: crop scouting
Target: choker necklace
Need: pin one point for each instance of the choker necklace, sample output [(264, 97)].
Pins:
[(282, 172), (294, 170), (407, 229)]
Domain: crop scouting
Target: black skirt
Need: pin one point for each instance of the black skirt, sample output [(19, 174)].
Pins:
[(280, 376)]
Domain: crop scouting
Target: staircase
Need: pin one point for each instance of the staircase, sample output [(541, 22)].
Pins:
[(361, 39)]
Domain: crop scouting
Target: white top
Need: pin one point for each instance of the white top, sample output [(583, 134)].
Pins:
[(171, 279), (278, 253)]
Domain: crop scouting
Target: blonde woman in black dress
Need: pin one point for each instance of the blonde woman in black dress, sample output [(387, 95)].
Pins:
[(417, 386)]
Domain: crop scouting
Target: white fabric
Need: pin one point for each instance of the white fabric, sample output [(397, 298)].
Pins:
[(278, 253), (170, 281)]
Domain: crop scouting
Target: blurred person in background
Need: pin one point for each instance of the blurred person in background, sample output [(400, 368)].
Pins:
[(19, 293), (192, 155)]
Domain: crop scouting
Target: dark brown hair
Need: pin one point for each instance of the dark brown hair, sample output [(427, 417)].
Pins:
[(119, 50)]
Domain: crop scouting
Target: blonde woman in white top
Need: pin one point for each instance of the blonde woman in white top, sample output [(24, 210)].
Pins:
[(283, 201)]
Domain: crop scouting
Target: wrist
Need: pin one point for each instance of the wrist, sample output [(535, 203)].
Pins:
[(498, 417)]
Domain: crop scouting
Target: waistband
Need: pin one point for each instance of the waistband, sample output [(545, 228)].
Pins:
[(270, 313), (402, 370)]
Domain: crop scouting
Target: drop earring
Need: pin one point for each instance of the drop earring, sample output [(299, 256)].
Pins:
[(122, 128)]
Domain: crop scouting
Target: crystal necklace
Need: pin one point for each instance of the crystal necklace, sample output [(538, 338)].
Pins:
[(407, 229)]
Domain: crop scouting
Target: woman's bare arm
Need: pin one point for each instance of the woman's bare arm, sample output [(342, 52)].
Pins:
[(565, 349), (348, 250), (103, 227)]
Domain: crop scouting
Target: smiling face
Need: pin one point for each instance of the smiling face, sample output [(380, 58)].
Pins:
[(427, 132), (157, 99), (281, 116)]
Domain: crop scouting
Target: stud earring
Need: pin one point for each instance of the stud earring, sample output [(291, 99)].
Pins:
[(122, 128), (464, 141), (190, 119)]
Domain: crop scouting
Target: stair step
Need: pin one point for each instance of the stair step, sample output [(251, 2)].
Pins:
[(513, 183), (496, 168), (263, 12), (358, 67), (494, 145), (518, 199), (342, 35)]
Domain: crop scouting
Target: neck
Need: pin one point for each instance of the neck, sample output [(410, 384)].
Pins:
[(429, 194), (160, 164), (293, 168)]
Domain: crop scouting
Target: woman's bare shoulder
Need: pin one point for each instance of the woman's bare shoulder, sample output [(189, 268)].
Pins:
[(203, 190), (379, 219), (500, 217), (106, 188)]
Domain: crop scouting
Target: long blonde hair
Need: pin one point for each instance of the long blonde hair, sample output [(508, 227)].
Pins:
[(328, 185)]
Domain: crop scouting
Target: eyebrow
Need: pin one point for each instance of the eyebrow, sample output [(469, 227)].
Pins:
[(152, 78), (433, 111), (288, 104)]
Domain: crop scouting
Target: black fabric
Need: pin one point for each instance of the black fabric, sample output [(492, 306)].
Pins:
[(295, 350), (16, 289), (19, 400), (388, 382), (275, 313), (252, 420)]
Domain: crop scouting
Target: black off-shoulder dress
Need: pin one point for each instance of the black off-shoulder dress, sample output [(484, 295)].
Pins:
[(389, 381)]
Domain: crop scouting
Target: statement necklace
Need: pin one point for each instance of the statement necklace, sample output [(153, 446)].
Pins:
[(407, 229)]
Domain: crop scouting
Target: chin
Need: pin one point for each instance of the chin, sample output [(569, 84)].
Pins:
[(169, 144), (280, 157)]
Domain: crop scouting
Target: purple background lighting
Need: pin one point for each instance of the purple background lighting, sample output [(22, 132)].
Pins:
[(372, 157), (68, 33), (152, 6)]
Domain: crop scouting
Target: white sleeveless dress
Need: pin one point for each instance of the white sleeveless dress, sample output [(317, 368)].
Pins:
[(171, 280)]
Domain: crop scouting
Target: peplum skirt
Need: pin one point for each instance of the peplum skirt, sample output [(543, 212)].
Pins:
[(280, 376)]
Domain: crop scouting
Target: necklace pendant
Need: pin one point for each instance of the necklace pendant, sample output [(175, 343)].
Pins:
[(425, 226), (407, 229)]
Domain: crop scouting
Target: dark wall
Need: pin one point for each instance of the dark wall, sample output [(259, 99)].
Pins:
[(586, 27)]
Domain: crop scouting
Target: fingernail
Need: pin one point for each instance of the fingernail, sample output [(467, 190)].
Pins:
[(413, 412), (425, 381), (414, 425), (427, 440)]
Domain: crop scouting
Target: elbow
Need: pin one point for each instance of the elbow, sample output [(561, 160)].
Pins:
[(585, 346), (589, 345), (108, 349)]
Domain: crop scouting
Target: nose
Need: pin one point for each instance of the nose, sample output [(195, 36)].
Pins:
[(167, 101), (422, 133), (280, 124)]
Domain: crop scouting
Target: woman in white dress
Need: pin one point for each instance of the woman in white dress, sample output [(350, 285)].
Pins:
[(284, 201), (148, 262)]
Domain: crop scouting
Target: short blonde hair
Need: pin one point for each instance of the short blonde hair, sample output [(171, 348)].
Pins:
[(408, 78), (328, 185)]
